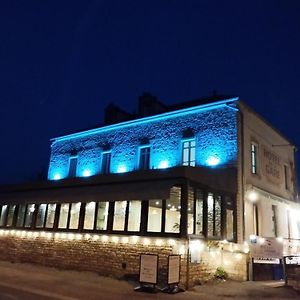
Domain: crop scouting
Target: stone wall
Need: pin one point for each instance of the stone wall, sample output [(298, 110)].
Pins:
[(115, 258)]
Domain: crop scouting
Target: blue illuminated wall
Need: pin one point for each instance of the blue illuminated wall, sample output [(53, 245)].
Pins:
[(215, 132)]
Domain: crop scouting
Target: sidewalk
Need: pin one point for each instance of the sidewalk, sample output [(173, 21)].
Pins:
[(30, 282)]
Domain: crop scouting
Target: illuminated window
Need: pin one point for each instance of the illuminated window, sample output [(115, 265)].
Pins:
[(10, 215), (40, 217), (173, 210), (199, 212), (144, 163), (21, 215), (72, 166), (191, 210), (154, 215), (63, 215), (254, 149), (29, 214), (50, 217), (119, 215), (106, 158), (89, 216), (230, 226), (74, 215), (102, 215), (189, 153), (3, 215), (134, 215), (213, 215)]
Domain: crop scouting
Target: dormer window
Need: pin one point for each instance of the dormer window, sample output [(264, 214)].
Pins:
[(189, 153)]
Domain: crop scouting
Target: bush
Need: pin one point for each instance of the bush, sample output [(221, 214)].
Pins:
[(220, 273)]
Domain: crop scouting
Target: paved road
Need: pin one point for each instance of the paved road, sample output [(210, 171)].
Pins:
[(31, 282)]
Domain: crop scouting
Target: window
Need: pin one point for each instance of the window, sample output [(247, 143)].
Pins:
[(89, 216), (230, 226), (21, 215), (274, 220), (10, 215), (134, 215), (63, 215), (3, 215), (255, 220), (29, 214), (173, 209), (213, 215), (288, 216), (155, 215), (286, 177), (50, 218), (73, 166), (119, 215), (106, 157), (74, 215), (144, 163), (40, 217), (199, 212), (189, 153), (102, 215), (191, 211), (254, 149)]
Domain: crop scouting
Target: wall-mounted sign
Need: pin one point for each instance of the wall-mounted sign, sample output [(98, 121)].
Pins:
[(148, 268), (270, 248), (263, 260), (292, 260), (173, 269), (271, 165)]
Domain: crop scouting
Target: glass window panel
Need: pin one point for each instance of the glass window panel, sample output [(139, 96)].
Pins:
[(3, 215), (229, 224), (173, 211), (50, 215), (10, 215), (134, 217), (193, 151), (210, 215), (72, 166), (189, 153), (106, 157), (102, 215), (89, 216), (40, 217), (218, 216), (199, 212), (193, 143), (119, 215), (63, 215), (74, 216), (21, 215), (154, 216), (29, 214), (213, 215), (191, 210)]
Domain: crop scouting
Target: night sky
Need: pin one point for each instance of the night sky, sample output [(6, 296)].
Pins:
[(62, 62)]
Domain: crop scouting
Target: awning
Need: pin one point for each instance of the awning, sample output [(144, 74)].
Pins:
[(108, 192)]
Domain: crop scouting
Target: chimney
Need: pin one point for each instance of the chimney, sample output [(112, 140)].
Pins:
[(114, 114), (149, 105)]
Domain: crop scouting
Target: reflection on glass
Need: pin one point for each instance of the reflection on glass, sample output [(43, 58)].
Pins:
[(229, 224), (50, 215), (102, 215), (40, 217), (63, 215), (3, 215), (21, 215), (119, 215), (29, 215), (173, 210), (154, 216), (74, 215), (213, 215), (134, 217), (10, 215), (89, 217)]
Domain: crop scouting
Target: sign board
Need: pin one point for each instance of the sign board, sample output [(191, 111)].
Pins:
[(263, 260), (270, 248), (173, 269), (292, 260), (271, 166), (148, 268)]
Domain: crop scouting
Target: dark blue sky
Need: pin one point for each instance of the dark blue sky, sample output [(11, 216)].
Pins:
[(62, 62)]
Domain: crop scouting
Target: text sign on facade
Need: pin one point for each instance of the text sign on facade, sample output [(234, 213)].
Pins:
[(273, 261), (148, 268), (270, 248), (174, 269), (292, 260), (271, 166)]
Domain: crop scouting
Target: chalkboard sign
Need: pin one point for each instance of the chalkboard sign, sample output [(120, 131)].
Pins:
[(148, 268), (173, 269)]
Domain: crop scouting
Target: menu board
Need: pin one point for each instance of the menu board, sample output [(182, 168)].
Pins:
[(148, 268), (174, 269)]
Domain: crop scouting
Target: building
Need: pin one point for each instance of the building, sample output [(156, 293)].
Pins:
[(208, 179)]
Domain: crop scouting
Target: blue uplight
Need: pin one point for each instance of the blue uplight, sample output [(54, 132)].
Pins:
[(57, 176), (122, 169), (213, 161), (86, 173), (164, 164)]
